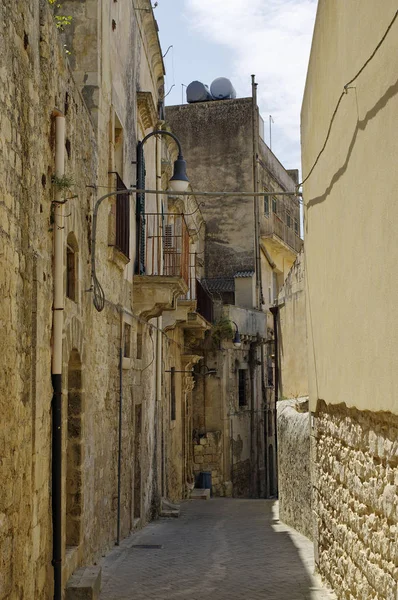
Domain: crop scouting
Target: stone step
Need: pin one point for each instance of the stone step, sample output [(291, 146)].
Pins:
[(85, 584), (170, 513), (200, 494)]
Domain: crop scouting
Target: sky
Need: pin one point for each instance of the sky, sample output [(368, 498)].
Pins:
[(238, 38)]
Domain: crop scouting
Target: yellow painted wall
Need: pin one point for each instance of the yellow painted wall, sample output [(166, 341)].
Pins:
[(293, 374), (351, 208)]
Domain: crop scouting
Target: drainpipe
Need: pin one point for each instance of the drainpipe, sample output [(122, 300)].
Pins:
[(119, 454), (275, 311), (159, 416), (255, 134), (56, 363), (252, 369)]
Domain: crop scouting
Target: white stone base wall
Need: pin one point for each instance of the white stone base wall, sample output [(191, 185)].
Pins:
[(294, 479), (208, 457), (355, 478)]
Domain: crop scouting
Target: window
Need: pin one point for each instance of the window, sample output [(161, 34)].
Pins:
[(71, 267), (288, 219), (266, 206), (127, 341), (122, 202), (242, 385), (139, 341), (173, 394), (274, 204), (296, 227)]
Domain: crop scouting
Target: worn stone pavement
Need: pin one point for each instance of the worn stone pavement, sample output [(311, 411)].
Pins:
[(219, 549)]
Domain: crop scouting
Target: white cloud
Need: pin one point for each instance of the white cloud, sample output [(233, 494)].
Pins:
[(270, 38)]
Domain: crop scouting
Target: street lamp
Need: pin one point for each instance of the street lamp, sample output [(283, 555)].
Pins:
[(236, 341), (178, 183)]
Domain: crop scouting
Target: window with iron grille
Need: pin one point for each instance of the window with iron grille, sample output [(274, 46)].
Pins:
[(288, 219), (274, 204)]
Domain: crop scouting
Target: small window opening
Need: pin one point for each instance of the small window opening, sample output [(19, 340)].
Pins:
[(296, 227), (127, 341), (173, 394), (274, 205), (242, 387), (288, 219), (139, 341), (71, 267), (266, 206), (68, 148)]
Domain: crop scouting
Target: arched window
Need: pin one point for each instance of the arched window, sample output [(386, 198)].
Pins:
[(72, 267)]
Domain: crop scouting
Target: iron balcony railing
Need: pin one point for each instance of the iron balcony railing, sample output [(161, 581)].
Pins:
[(163, 247), (204, 303)]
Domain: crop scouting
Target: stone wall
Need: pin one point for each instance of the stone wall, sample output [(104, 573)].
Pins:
[(294, 473), (355, 456), (208, 456), (220, 156)]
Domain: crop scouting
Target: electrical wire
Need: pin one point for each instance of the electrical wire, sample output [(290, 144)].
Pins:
[(343, 93)]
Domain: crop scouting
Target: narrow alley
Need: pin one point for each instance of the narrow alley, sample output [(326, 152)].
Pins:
[(222, 548)]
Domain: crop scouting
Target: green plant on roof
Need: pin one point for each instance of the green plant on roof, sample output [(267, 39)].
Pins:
[(221, 330)]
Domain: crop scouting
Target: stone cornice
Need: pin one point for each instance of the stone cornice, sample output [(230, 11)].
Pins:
[(147, 112)]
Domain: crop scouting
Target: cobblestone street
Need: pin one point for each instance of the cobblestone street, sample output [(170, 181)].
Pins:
[(221, 549)]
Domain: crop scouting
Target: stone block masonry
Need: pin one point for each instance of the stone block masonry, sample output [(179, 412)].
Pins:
[(355, 477), (208, 456), (294, 479)]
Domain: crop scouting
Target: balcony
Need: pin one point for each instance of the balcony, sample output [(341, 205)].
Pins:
[(253, 325), (163, 269), (277, 231), (193, 313)]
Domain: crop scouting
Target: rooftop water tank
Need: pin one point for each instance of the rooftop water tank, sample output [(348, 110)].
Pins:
[(198, 92), (222, 89)]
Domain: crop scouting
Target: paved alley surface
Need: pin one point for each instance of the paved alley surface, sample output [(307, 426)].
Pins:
[(221, 549)]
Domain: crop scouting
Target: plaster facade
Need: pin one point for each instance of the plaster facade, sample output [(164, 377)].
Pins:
[(292, 321), (351, 282)]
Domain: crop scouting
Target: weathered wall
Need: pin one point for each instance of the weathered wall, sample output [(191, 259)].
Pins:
[(208, 456), (352, 280), (217, 145), (292, 341), (35, 79), (355, 457), (294, 472), (352, 283)]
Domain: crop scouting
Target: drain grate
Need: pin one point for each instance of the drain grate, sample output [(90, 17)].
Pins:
[(148, 546)]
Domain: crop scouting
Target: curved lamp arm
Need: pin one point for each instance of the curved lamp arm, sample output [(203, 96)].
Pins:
[(164, 132)]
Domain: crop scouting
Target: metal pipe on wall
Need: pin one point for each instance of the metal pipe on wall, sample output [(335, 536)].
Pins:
[(56, 362), (255, 134), (159, 417), (275, 311), (120, 432)]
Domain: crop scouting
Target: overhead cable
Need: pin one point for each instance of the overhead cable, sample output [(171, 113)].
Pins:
[(343, 93)]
